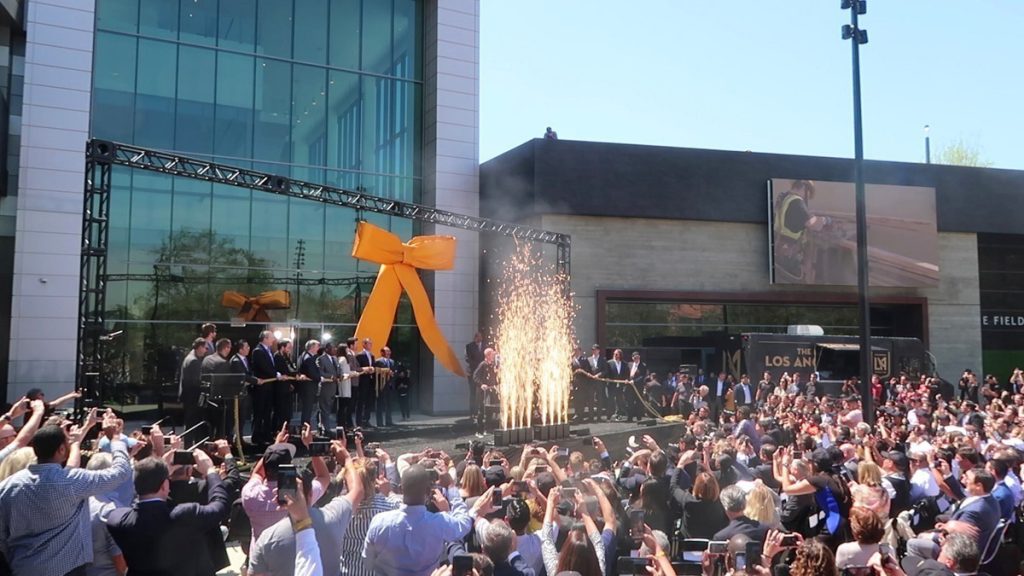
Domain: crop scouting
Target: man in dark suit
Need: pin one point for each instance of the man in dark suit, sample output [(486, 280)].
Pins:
[(239, 364), (216, 364), (288, 375), (630, 392), (474, 356), (734, 501), (307, 389), (367, 386), (388, 384), (743, 393), (597, 398), (716, 396), (159, 539), (617, 370), (977, 516), (265, 372)]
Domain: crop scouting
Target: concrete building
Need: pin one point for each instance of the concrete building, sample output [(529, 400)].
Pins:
[(670, 250), (376, 95)]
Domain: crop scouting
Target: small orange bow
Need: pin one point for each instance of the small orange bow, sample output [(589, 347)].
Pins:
[(398, 263), (254, 309)]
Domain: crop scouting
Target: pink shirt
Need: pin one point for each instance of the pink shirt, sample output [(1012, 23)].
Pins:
[(261, 506)]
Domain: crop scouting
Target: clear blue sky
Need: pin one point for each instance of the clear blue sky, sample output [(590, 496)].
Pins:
[(759, 75)]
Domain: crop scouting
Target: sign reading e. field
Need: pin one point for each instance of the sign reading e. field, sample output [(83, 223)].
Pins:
[(1002, 321)]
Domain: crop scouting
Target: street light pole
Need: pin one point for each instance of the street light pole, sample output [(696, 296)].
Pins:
[(927, 144), (853, 32)]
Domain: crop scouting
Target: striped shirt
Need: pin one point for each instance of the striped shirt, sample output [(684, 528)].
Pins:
[(45, 524), (352, 547)]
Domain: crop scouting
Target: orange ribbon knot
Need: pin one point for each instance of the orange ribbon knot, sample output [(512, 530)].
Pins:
[(398, 263), (254, 309)]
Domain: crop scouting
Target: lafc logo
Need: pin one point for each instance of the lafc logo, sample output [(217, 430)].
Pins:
[(881, 363)]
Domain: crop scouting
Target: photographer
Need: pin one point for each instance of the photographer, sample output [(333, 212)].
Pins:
[(153, 534)]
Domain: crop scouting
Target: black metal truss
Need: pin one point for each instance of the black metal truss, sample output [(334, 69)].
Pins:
[(102, 155), (277, 280), (177, 165), (92, 291)]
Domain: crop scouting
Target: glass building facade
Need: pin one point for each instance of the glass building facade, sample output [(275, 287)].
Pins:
[(325, 91)]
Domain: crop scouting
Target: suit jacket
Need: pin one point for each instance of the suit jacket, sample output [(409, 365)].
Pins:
[(159, 539), (387, 363), (1004, 498), (712, 385), (308, 366), (262, 361), (517, 567), (365, 360), (983, 513), (639, 376), (602, 366), (215, 364), (743, 525), (191, 373), (621, 374), (474, 355), (742, 399), (240, 365), (284, 365), (199, 492)]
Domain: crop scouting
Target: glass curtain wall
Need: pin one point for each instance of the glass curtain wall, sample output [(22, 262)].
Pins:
[(327, 91)]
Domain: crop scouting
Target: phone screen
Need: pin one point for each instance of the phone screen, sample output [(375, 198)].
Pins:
[(462, 565), (287, 482), (319, 448), (496, 498), (636, 524), (183, 458)]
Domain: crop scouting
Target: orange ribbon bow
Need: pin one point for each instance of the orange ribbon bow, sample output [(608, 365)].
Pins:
[(398, 263), (254, 309)]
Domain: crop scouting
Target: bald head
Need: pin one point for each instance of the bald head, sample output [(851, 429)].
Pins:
[(7, 435)]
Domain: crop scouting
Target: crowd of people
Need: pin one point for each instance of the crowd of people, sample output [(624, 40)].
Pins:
[(791, 482)]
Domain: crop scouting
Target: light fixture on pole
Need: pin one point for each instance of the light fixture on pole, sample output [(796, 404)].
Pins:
[(927, 145), (852, 31)]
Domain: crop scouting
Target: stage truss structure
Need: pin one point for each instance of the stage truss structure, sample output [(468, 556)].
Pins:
[(102, 155)]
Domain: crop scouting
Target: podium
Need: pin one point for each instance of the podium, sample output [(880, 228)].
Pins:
[(222, 390)]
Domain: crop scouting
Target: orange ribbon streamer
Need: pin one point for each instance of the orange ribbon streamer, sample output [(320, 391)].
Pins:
[(254, 309), (398, 263)]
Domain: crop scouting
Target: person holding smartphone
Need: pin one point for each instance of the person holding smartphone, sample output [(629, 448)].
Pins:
[(583, 550)]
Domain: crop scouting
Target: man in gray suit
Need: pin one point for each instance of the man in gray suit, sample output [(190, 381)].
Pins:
[(329, 376), (188, 386)]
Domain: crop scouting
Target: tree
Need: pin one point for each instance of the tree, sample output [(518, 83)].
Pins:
[(961, 153)]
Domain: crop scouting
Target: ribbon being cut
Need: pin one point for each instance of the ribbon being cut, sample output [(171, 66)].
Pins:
[(254, 308), (398, 263)]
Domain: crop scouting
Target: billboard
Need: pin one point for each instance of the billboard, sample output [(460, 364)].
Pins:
[(812, 234)]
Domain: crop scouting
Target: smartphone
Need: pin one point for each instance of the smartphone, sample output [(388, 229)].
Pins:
[(319, 448), (167, 441), (520, 487), (435, 454), (753, 553), (183, 458), (569, 493), (287, 482), (858, 571), (798, 454), (563, 452), (372, 447), (718, 547), (693, 550), (636, 525), (462, 565), (496, 498), (631, 565), (740, 562), (788, 541), (539, 469), (339, 433)]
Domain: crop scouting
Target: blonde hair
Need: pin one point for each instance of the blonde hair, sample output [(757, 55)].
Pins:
[(473, 482), (18, 460), (869, 474), (761, 506), (367, 475)]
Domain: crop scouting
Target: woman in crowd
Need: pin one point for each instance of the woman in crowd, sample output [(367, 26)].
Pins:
[(763, 506), (473, 483), (19, 460), (869, 491), (814, 559), (868, 531), (374, 502), (583, 549), (703, 514)]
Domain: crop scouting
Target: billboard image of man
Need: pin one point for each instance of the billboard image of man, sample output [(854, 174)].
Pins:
[(793, 220)]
